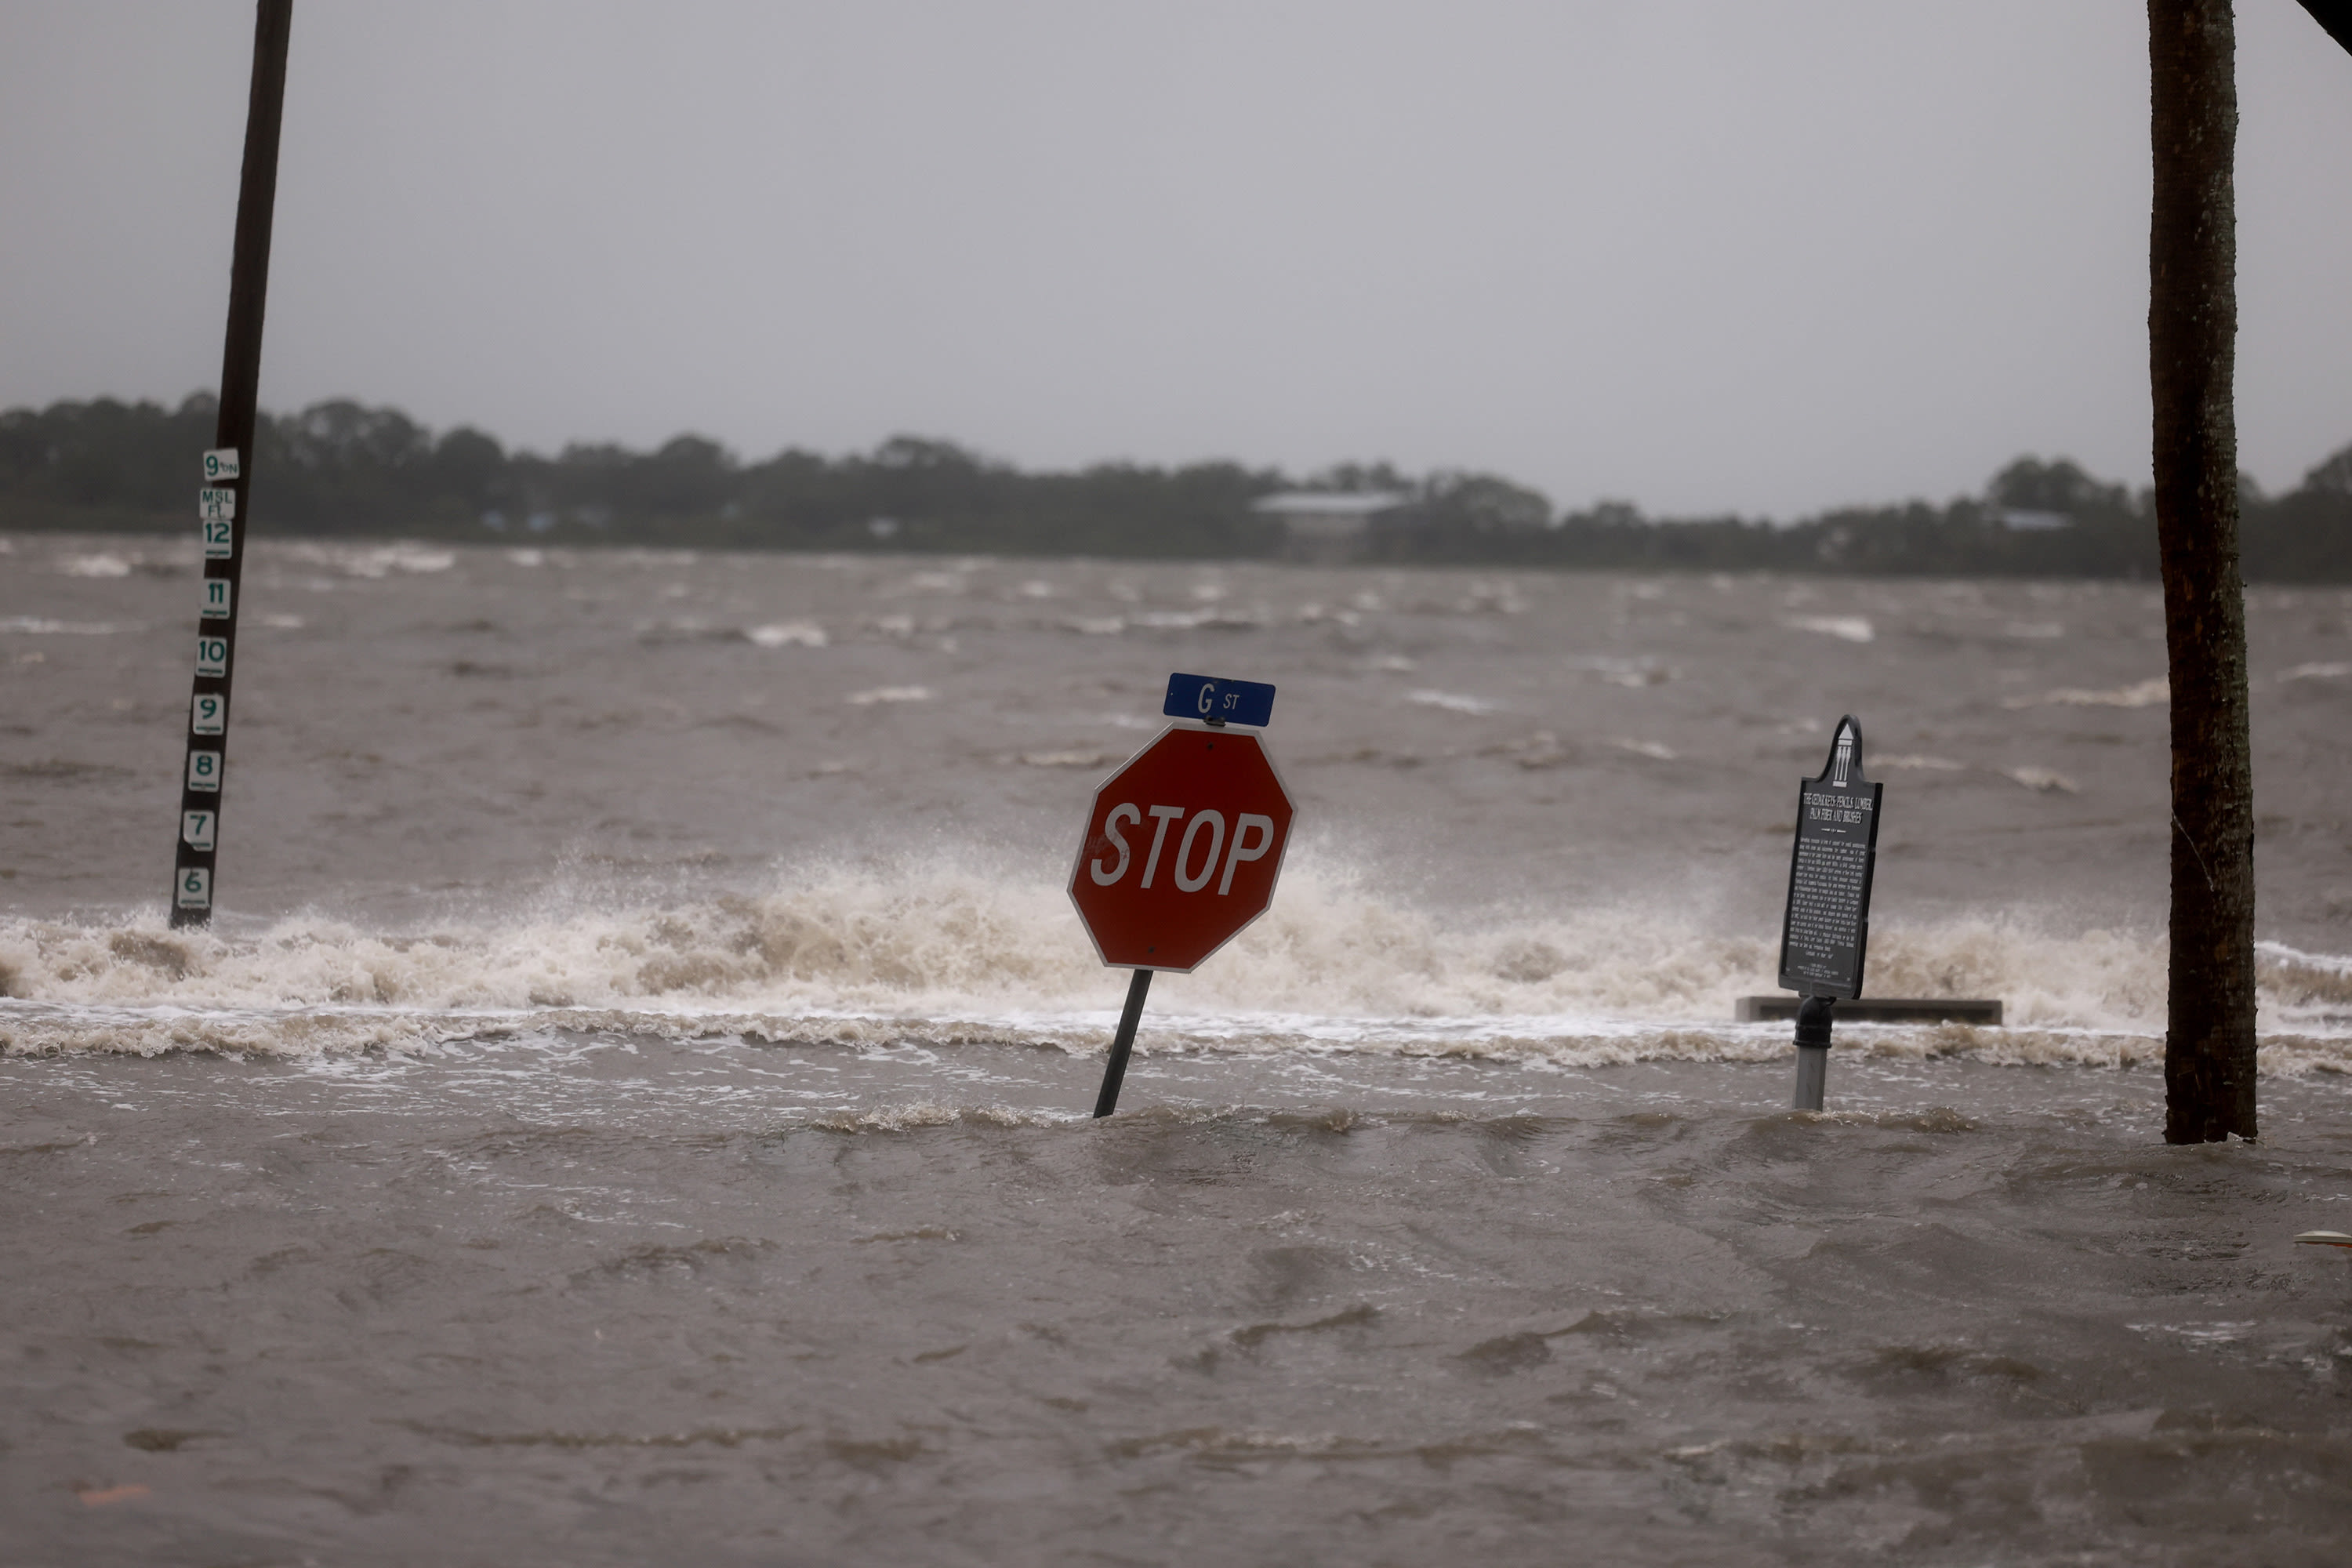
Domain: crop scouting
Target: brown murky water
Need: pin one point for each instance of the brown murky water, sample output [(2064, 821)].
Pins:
[(632, 1106)]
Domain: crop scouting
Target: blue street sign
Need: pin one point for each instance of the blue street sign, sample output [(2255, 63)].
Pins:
[(1218, 700)]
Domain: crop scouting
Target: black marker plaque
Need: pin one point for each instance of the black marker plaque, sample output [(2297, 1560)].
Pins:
[(1826, 928)]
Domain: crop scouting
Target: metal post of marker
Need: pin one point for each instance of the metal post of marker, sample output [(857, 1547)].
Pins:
[(1115, 1071), (1814, 1016), (228, 477)]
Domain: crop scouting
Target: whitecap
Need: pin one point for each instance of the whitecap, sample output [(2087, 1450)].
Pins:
[(1453, 703), (1851, 628), (789, 633)]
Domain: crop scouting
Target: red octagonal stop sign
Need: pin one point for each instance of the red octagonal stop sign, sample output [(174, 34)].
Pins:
[(1181, 850)]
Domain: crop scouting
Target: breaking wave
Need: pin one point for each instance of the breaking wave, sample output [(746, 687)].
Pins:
[(944, 953)]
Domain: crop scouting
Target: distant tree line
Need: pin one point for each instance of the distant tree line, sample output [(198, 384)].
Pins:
[(341, 468)]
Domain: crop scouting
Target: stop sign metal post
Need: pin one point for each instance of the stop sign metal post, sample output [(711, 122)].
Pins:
[(1184, 844)]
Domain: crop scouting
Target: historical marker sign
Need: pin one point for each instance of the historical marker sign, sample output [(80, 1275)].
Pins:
[(1182, 848), (1825, 930)]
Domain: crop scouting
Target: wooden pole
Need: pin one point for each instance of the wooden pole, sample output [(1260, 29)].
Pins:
[(203, 780), (2192, 324)]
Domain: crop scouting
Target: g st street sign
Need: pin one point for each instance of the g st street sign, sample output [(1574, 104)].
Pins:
[(1216, 700), (1182, 848)]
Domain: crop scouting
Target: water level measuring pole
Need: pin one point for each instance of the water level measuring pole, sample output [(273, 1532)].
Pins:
[(1219, 820), (227, 480), (1825, 925)]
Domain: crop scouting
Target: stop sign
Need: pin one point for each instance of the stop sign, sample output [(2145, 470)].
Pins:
[(1181, 848)]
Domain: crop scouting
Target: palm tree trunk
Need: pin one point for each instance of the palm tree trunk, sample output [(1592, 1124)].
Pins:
[(2192, 324)]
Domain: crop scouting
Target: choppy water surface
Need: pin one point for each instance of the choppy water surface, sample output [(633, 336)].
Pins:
[(631, 1104)]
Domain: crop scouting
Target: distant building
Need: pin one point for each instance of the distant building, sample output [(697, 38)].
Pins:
[(1325, 525), (2024, 520)]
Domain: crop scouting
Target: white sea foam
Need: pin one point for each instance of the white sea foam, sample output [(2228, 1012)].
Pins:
[(371, 561), (42, 626), (944, 952), (789, 633), (1455, 702), (2143, 694), (1851, 628)]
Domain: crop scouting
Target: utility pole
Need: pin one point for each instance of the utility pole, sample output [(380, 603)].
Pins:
[(221, 506), (2192, 326)]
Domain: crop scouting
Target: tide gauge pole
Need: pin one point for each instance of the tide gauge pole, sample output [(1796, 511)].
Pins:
[(228, 477)]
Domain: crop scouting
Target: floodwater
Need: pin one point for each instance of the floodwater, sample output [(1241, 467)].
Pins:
[(632, 1105)]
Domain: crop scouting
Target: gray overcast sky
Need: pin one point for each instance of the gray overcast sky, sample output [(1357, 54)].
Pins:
[(1702, 254)]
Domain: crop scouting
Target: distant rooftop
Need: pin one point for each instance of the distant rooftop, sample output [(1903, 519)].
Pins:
[(1347, 504)]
